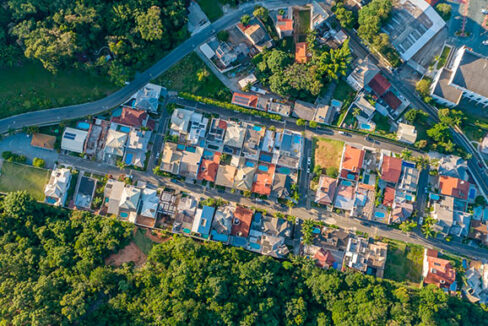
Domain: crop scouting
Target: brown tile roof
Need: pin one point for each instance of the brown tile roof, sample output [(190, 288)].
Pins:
[(242, 222), (208, 168), (131, 117), (43, 141), (323, 258), (284, 24), (455, 187), (264, 181), (353, 159), (440, 272), (379, 84), (326, 190), (242, 99), (392, 101), (391, 169), (478, 231), (389, 196), (301, 55)]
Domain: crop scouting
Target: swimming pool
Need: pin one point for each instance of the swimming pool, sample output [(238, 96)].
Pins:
[(124, 129), (365, 126), (83, 125), (208, 155), (180, 147), (472, 193), (249, 164), (366, 179), (351, 177), (283, 170), (257, 128), (128, 158), (191, 149), (297, 139), (266, 158), (347, 183), (263, 168), (254, 246), (124, 215), (434, 196), (336, 103), (51, 200), (316, 231), (117, 112), (379, 214)]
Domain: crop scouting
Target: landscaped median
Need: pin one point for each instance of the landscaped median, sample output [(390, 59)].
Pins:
[(229, 106)]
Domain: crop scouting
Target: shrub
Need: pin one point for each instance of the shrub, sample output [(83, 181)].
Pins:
[(38, 162), (12, 157)]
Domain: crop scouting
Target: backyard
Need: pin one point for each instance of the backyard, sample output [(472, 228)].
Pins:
[(304, 22), (183, 77), (31, 87), (328, 152), (346, 94), (16, 177), (404, 262), (211, 8)]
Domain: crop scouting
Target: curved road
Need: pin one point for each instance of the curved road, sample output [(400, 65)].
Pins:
[(81, 110)]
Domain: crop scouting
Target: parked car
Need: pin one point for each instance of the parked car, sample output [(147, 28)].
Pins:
[(309, 161), (485, 42), (484, 11)]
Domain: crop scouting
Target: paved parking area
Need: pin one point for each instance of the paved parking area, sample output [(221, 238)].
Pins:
[(475, 32), (20, 144)]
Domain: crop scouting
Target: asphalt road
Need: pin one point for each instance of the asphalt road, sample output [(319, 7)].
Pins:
[(55, 115)]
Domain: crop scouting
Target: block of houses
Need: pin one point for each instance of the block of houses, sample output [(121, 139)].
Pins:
[(190, 163), (234, 138), (222, 223), (476, 286), (129, 203), (467, 78), (203, 221), (133, 118), (391, 169), (86, 191), (114, 145), (284, 25), (406, 133), (365, 70), (112, 196), (365, 256), (43, 141), (185, 215), (74, 140), (171, 158), (136, 147), (242, 222), (147, 98), (149, 208), (325, 190), (56, 191), (302, 55), (438, 271)]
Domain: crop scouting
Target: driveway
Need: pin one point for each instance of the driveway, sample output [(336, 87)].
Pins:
[(20, 144)]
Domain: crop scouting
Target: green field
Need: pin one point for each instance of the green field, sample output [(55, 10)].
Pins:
[(182, 77), (31, 87), (16, 177), (211, 8), (404, 262), (143, 242), (304, 21)]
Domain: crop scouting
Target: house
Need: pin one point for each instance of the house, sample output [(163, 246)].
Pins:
[(248, 80), (453, 166), (324, 258), (324, 114), (366, 108), (136, 147), (478, 231), (129, 203), (225, 54), (365, 70), (304, 110), (73, 140), (113, 194), (171, 158), (185, 215), (462, 222), (280, 108), (208, 168), (242, 222), (443, 213), (352, 159), (319, 15), (133, 118), (198, 129), (244, 176), (149, 207), (365, 256), (282, 185), (401, 212), (222, 223), (379, 84), (391, 168), (476, 286), (290, 145), (190, 162), (225, 176), (86, 191), (203, 221), (406, 133), (389, 197), (147, 98), (263, 179), (56, 191), (168, 203), (114, 144), (409, 178), (455, 187), (301, 53), (256, 35), (234, 138), (246, 100), (325, 190), (273, 246), (252, 140), (284, 26), (277, 227), (467, 78), (43, 141), (437, 271), (180, 121), (344, 198), (216, 134), (392, 100)]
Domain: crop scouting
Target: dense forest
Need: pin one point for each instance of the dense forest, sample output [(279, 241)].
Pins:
[(109, 37), (52, 272)]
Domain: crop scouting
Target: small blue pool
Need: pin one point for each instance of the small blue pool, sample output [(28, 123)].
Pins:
[(257, 218), (336, 103), (283, 170), (365, 126), (128, 158), (180, 147), (316, 230), (408, 164), (347, 183), (191, 149), (185, 230), (434, 196), (257, 128), (124, 129), (379, 214), (351, 176), (117, 112), (297, 139), (266, 158), (263, 168), (254, 246), (409, 197), (83, 125), (202, 143), (124, 215), (366, 179), (219, 237), (249, 164), (50, 200), (208, 155)]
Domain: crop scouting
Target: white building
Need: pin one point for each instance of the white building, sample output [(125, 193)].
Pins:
[(74, 140), (56, 190), (406, 133)]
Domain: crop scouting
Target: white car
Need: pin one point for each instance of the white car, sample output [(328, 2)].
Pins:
[(341, 132), (485, 42), (484, 11), (309, 161)]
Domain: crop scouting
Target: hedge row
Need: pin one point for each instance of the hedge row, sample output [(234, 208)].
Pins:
[(229, 106)]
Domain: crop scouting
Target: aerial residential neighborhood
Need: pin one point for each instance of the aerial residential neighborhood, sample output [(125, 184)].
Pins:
[(328, 140)]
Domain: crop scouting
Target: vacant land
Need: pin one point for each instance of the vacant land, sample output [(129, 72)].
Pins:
[(404, 262), (16, 177), (31, 87), (328, 152), (143, 242), (130, 253), (183, 77), (211, 8)]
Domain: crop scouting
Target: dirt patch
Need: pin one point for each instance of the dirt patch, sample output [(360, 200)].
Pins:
[(157, 237), (328, 152), (129, 253)]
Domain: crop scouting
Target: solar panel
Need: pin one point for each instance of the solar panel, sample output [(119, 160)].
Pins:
[(69, 135)]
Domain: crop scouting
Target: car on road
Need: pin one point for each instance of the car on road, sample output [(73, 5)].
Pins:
[(309, 161), (365, 223), (421, 220), (341, 132), (485, 42)]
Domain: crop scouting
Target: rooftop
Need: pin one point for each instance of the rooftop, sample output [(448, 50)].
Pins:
[(242, 221), (391, 169), (353, 159), (301, 54), (247, 100), (472, 72), (453, 187), (43, 141), (131, 117), (379, 84)]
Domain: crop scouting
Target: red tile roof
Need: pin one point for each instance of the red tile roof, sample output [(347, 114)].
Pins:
[(131, 117), (323, 258), (301, 55), (455, 187), (263, 181), (242, 221), (284, 24), (389, 196), (247, 100), (222, 124), (379, 84), (353, 159), (440, 272), (391, 169), (392, 101), (208, 168)]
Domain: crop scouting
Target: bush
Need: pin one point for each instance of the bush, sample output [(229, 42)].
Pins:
[(12, 157), (38, 162), (313, 124), (444, 10), (332, 172), (223, 35), (423, 87)]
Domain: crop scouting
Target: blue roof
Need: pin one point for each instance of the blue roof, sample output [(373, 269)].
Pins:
[(219, 237), (206, 220)]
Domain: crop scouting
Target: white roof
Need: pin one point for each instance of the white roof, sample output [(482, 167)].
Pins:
[(180, 120), (406, 133), (115, 142), (150, 202), (130, 198), (73, 140), (246, 80), (58, 185), (235, 135), (207, 50), (147, 98)]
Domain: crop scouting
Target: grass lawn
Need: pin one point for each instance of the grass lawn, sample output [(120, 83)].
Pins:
[(404, 262), (211, 8), (143, 242), (343, 91), (382, 123), (443, 57), (16, 177), (182, 77), (304, 21), (328, 152), (31, 87)]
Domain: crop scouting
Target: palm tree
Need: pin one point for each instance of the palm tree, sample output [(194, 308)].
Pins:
[(427, 231), (406, 154), (356, 112)]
